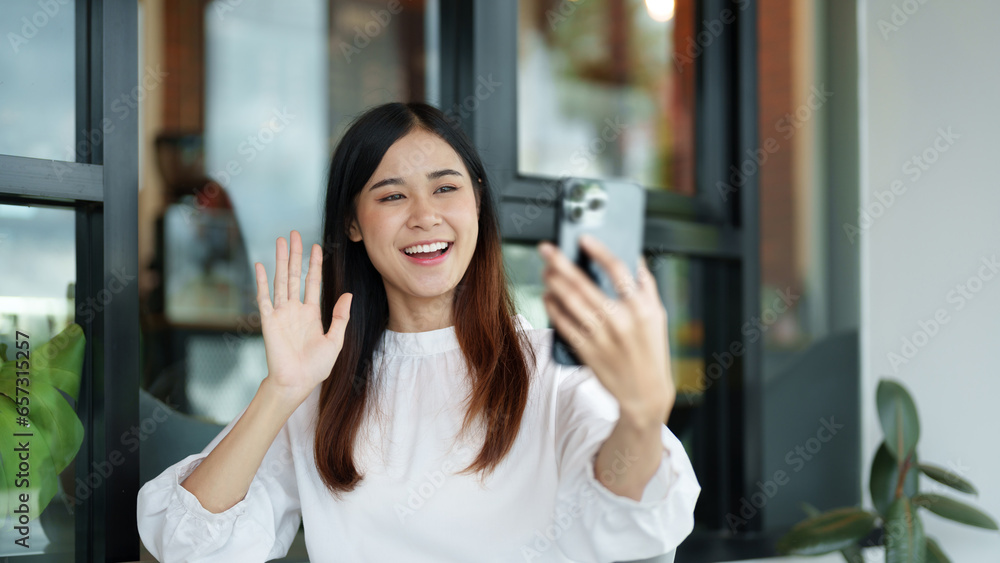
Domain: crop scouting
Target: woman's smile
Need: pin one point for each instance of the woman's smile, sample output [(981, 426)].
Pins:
[(428, 254)]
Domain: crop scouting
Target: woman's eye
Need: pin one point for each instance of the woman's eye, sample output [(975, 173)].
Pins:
[(394, 197)]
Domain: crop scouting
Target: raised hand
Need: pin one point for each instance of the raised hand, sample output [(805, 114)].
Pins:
[(299, 354), (623, 340)]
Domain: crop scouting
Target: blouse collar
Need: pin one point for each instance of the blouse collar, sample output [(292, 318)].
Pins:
[(428, 342)]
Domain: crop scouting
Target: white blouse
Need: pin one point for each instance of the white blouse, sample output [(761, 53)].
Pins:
[(542, 503)]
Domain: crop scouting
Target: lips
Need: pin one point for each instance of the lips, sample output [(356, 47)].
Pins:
[(429, 258)]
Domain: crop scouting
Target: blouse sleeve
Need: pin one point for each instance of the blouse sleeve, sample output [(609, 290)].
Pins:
[(605, 526), (174, 526)]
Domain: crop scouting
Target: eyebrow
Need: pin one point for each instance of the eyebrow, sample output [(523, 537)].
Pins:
[(430, 176)]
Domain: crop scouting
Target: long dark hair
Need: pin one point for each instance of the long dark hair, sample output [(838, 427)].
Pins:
[(483, 309)]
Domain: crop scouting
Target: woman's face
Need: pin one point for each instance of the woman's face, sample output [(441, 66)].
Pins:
[(421, 193)]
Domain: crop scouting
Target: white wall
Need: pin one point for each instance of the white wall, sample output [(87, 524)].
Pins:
[(936, 70)]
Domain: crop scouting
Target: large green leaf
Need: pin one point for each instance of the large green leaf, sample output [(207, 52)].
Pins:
[(57, 362), (904, 533), (885, 477), (934, 553), (955, 510), (852, 553), (831, 531), (52, 417), (39, 482), (946, 477), (899, 418)]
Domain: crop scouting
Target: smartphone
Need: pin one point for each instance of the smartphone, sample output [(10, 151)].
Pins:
[(613, 211)]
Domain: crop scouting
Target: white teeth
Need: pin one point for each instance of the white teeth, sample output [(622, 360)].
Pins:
[(425, 247)]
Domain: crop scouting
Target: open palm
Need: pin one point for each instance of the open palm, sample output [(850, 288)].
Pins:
[(299, 354)]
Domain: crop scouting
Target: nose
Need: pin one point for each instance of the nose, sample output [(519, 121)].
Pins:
[(423, 214)]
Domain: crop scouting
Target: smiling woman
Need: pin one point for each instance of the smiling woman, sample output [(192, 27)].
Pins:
[(406, 341), (420, 195)]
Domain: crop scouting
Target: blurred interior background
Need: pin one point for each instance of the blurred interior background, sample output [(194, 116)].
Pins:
[(767, 133)]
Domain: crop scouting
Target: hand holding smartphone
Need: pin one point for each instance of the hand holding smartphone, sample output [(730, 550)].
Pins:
[(613, 211)]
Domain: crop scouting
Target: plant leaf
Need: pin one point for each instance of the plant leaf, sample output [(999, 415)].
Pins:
[(885, 475), (52, 417), (831, 531), (904, 533), (955, 510), (946, 477), (3, 351), (852, 554), (59, 362), (934, 552), (898, 415)]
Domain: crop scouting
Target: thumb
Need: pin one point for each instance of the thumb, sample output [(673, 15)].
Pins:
[(341, 314)]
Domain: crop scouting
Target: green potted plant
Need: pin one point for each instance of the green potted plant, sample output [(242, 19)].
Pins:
[(895, 490), (40, 432)]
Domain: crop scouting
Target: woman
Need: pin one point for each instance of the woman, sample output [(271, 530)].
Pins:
[(406, 344)]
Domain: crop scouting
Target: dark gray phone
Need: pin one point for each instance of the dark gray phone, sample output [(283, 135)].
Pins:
[(613, 211)]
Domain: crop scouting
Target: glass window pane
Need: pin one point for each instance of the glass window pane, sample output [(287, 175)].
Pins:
[(809, 308), (524, 272), (265, 107), (380, 51), (606, 89), (37, 80), (37, 301)]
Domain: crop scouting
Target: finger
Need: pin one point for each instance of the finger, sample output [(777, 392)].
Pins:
[(564, 325), (647, 282), (575, 304), (341, 314), (561, 265), (644, 278), (314, 276), (280, 272), (622, 279), (263, 294), (295, 267)]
